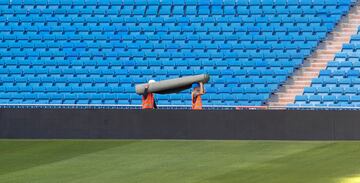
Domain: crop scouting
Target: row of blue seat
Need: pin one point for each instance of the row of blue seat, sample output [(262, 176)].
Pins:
[(124, 102), (256, 40), (278, 18), (161, 46), (346, 89), (347, 81), (153, 45), (74, 88), (132, 54), (350, 47), (143, 68), (220, 84), (255, 79), (322, 13), (129, 87), (337, 105), (331, 90), (213, 9), (154, 29), (167, 37), (177, 10), (346, 64), (42, 63), (170, 37), (263, 29), (176, 7), (93, 55), (173, 11), (96, 96), (27, 95), (224, 38), (127, 102), (93, 66), (168, 70), (328, 98), (159, 53), (75, 71), (345, 73), (175, 2)]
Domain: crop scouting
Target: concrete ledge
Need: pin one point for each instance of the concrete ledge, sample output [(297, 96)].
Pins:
[(179, 124)]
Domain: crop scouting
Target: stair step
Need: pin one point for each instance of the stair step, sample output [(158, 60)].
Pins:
[(298, 86), (318, 60), (343, 33), (318, 65), (285, 98), (337, 37), (312, 69), (302, 78), (329, 52), (278, 105), (286, 101), (347, 29), (334, 47), (301, 82), (327, 57), (355, 22), (298, 83), (356, 16), (349, 25), (288, 94), (290, 90), (307, 74), (282, 95)]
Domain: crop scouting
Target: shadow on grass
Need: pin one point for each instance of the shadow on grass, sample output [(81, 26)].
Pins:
[(19, 155), (325, 163)]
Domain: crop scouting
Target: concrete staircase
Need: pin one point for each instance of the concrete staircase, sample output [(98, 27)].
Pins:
[(324, 53)]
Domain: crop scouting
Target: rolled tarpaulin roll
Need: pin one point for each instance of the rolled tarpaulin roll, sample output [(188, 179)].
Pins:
[(172, 85)]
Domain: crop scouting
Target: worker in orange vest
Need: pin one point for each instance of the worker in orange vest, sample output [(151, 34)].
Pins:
[(148, 100), (198, 90)]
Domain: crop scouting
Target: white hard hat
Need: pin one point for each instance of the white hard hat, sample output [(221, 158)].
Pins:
[(152, 81)]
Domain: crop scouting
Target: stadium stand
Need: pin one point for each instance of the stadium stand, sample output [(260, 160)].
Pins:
[(338, 84), (93, 52)]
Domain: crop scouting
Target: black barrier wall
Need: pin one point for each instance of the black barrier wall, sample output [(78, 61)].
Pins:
[(179, 124)]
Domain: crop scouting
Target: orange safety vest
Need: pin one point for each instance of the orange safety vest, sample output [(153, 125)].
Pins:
[(197, 102), (148, 101)]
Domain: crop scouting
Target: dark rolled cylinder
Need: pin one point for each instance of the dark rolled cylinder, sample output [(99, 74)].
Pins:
[(172, 85)]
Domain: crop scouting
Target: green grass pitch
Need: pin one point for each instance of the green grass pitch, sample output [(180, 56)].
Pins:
[(167, 161)]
